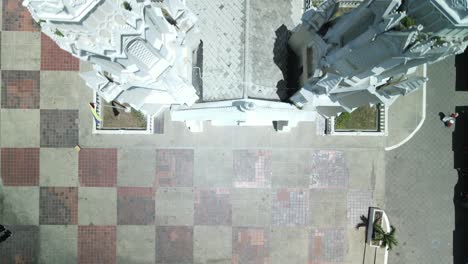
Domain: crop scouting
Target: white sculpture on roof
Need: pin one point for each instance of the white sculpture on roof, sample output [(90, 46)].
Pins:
[(141, 51), (369, 55)]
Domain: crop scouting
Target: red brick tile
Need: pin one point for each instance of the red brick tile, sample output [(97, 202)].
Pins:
[(20, 89), (213, 207), (17, 18), (20, 166), (135, 206), (174, 167), (252, 168), (53, 58), (98, 167), (97, 244), (174, 244), (58, 206), (250, 245), (290, 207)]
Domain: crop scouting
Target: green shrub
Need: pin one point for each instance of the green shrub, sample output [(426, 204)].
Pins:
[(127, 6), (407, 22), (342, 119)]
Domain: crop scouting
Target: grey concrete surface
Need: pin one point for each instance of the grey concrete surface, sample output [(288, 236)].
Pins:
[(420, 178)]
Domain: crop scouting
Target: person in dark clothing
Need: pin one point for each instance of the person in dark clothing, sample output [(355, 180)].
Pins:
[(4, 235)]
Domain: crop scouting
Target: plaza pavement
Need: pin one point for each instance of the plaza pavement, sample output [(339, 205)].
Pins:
[(420, 178), (227, 195)]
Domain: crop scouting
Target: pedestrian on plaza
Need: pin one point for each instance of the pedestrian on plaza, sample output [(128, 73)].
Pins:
[(4, 234), (450, 120)]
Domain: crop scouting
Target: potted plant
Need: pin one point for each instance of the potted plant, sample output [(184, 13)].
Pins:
[(385, 239), (377, 224)]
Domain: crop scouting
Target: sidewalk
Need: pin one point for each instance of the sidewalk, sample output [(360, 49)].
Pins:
[(404, 117)]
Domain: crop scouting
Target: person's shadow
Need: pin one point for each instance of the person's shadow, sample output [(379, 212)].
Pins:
[(441, 116)]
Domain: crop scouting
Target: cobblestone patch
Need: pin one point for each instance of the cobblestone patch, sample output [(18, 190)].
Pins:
[(20, 166), (222, 32), (213, 207), (359, 202), (327, 245), (97, 244), (174, 244), (135, 206), (58, 206), (97, 167), (59, 128), (174, 167), (290, 207), (20, 89), (328, 170), (252, 168), (250, 245)]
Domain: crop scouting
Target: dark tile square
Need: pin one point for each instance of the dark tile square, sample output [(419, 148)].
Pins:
[(59, 128), (174, 167), (16, 17), (97, 244), (213, 207), (20, 166), (97, 167), (250, 245), (22, 246), (290, 207), (58, 206), (135, 206), (329, 170), (20, 89), (174, 245), (53, 58), (327, 245), (252, 168)]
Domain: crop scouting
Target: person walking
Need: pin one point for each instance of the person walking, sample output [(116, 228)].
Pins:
[(450, 120), (4, 234)]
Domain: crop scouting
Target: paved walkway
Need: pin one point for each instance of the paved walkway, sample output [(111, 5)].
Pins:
[(228, 195), (420, 178), (405, 117)]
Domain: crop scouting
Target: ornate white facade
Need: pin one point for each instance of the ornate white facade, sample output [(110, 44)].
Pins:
[(141, 51), (369, 55)]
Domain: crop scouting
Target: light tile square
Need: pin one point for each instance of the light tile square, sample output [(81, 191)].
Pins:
[(251, 207), (136, 244), (61, 90), (136, 167), (213, 244), (59, 167), (213, 168), (21, 50), (20, 206), (97, 206), (289, 245), (19, 128), (58, 243), (174, 206)]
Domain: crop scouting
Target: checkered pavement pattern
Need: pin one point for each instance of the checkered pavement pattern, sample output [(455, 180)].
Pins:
[(110, 205)]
